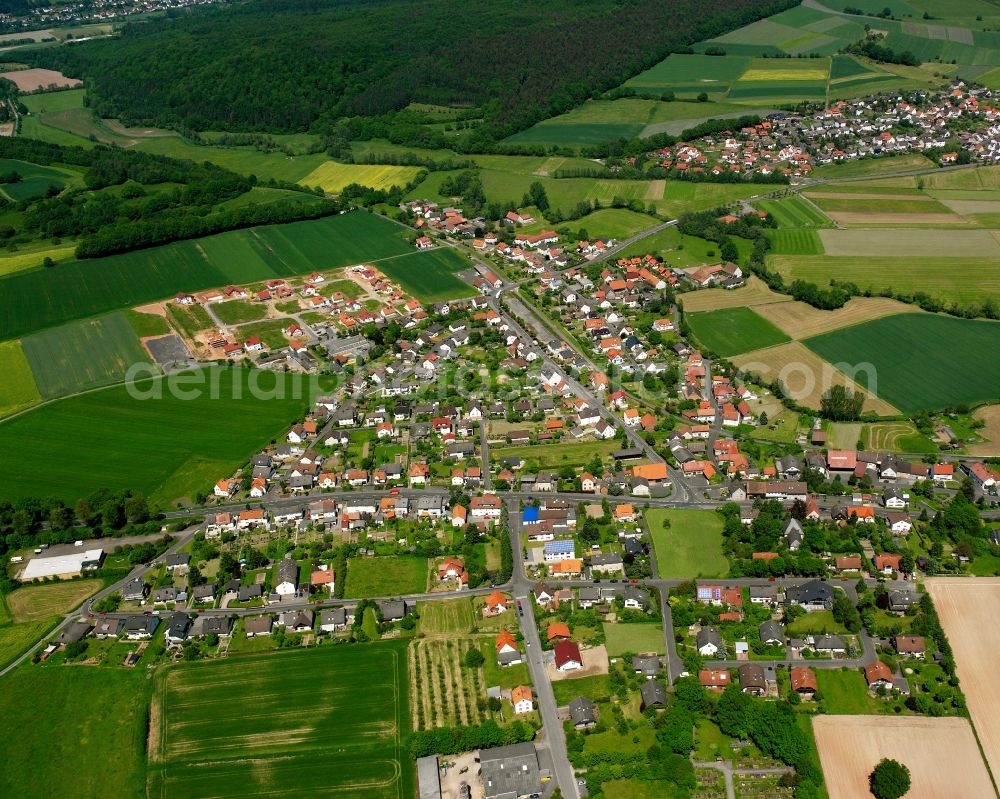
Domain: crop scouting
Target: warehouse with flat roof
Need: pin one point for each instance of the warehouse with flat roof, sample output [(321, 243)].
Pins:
[(62, 566)]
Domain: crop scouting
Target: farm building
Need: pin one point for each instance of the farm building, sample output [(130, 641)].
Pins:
[(63, 567)]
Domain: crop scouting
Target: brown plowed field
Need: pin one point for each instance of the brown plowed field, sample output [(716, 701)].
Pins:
[(941, 755)]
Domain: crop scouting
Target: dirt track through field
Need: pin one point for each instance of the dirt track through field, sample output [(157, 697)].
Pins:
[(870, 220), (941, 754), (969, 609), (800, 320), (845, 195), (655, 190)]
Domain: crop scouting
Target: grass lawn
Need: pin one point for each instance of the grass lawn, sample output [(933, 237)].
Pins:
[(633, 638), (356, 701), (594, 688), (147, 324), (164, 446), (504, 676), (844, 692), (950, 352), (189, 319), (17, 389), (109, 716), (732, 331), (38, 602), (446, 617), (385, 576), (816, 623), (691, 546), (16, 638), (549, 456), (613, 223), (235, 312), (711, 742)]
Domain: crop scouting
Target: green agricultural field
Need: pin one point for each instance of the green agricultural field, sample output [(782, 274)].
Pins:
[(35, 179), (794, 212), (32, 257), (613, 223), (237, 312), (950, 279), (690, 75), (950, 351), (633, 638), (18, 389), (430, 275), (691, 546), (576, 134), (681, 196), (600, 121), (795, 241), (167, 447), (83, 355), (79, 289), (884, 205), (332, 177), (110, 716), (385, 576), (732, 331), (323, 721)]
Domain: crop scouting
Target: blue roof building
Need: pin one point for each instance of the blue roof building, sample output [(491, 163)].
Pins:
[(530, 515)]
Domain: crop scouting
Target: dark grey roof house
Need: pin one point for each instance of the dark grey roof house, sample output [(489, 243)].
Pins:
[(510, 771), (653, 694), (582, 713)]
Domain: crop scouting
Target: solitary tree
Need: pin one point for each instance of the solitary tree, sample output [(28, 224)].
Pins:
[(889, 780)]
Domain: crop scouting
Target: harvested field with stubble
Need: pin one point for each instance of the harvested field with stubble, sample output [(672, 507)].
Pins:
[(32, 80), (38, 602), (805, 375), (941, 754), (990, 414), (865, 220), (800, 320), (968, 609), (754, 293)]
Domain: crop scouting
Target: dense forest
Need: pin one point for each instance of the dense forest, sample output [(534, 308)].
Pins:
[(296, 65)]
